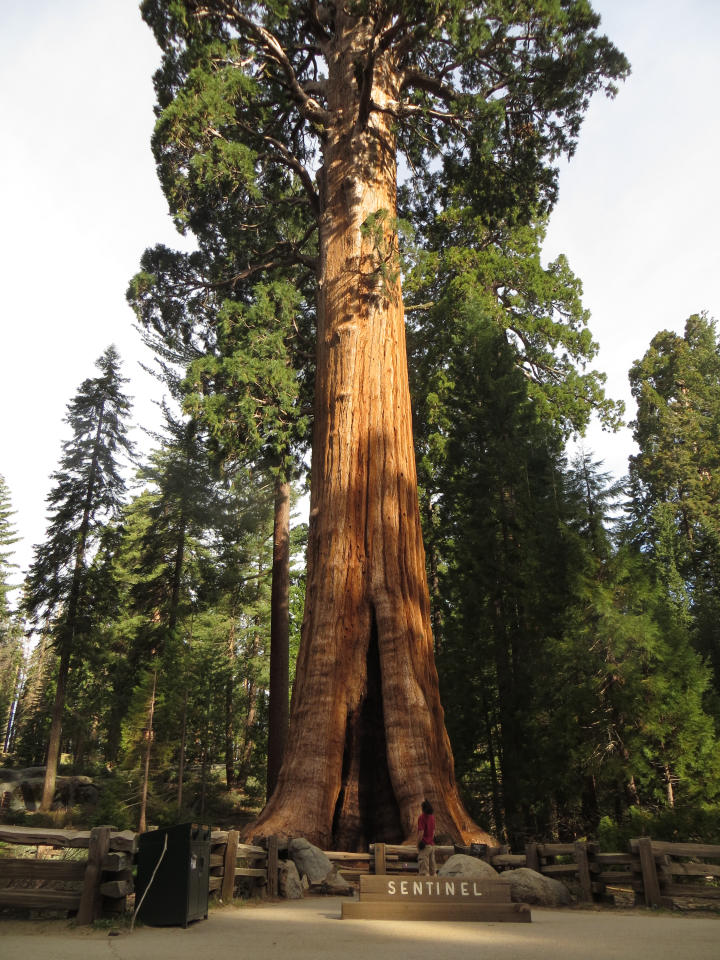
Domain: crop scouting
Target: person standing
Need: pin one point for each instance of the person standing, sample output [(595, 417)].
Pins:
[(426, 840)]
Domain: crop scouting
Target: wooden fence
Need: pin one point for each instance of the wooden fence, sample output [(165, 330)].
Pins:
[(229, 860), (676, 871), (656, 873), (97, 883)]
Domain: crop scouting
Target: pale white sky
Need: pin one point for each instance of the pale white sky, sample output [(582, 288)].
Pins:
[(637, 217)]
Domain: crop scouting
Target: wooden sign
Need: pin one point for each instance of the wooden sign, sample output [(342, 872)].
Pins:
[(434, 898), (433, 889)]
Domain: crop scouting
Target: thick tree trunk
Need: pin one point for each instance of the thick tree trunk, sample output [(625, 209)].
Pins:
[(279, 635), (367, 739)]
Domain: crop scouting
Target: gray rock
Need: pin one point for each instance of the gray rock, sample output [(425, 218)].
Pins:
[(10, 776), (462, 865), (25, 787), (289, 882), (528, 886), (310, 861), (14, 794), (336, 884)]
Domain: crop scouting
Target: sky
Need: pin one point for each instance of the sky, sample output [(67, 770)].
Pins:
[(637, 215)]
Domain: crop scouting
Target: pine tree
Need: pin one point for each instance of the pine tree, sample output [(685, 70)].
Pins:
[(11, 634), (87, 493)]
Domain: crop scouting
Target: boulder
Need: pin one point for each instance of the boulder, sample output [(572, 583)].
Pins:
[(310, 861), (335, 884), (528, 886), (289, 883), (462, 865), (10, 776), (25, 787)]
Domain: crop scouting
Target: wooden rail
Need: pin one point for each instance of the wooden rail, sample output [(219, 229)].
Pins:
[(676, 871), (657, 872), (102, 880), (230, 860)]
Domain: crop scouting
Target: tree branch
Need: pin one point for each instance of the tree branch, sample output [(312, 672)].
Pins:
[(289, 159), (273, 50), (422, 81), (401, 110), (316, 16)]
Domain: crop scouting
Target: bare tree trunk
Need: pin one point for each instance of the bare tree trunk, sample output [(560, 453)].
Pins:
[(669, 791), (53, 750), (142, 825), (183, 744), (245, 758), (367, 739), (230, 777), (279, 635), (12, 710)]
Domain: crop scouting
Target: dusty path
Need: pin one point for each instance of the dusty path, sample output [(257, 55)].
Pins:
[(311, 930)]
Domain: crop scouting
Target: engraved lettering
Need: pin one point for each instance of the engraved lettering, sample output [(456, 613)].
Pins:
[(437, 888), (449, 888), (478, 893), (403, 887), (417, 887), (465, 888), (391, 886), (429, 885)]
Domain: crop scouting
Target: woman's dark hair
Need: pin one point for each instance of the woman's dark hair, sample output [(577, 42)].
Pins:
[(427, 807)]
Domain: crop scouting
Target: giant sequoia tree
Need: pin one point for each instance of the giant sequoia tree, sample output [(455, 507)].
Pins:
[(295, 113)]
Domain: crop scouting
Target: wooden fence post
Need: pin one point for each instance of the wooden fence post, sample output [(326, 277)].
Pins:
[(651, 884), (583, 869), (227, 891), (532, 858), (272, 866), (90, 898), (380, 866)]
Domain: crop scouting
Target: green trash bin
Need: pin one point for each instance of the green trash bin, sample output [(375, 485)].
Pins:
[(177, 893)]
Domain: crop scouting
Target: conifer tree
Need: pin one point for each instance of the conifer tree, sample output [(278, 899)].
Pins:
[(87, 493), (159, 565), (675, 477), (253, 98), (242, 385), (11, 635)]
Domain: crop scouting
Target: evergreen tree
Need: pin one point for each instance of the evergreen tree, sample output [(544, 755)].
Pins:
[(11, 634), (244, 383), (31, 726), (87, 493), (253, 97), (159, 565), (675, 477), (491, 471), (631, 711)]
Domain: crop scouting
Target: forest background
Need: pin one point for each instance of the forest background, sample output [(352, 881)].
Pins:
[(621, 616)]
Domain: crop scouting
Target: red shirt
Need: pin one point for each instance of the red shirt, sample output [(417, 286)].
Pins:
[(426, 824)]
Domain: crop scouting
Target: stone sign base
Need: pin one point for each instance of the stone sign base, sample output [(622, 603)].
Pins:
[(434, 898)]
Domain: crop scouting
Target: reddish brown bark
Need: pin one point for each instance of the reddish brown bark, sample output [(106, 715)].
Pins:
[(367, 739)]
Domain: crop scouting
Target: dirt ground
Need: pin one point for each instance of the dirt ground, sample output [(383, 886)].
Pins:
[(311, 929)]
